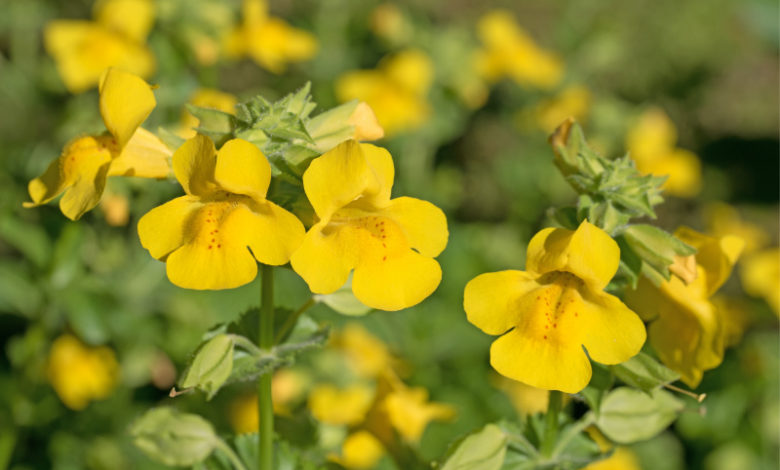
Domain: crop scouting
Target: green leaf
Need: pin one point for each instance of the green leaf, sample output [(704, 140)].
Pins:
[(656, 247), (171, 140), (600, 383), (644, 372), (30, 239), (483, 450), (174, 438), (344, 301), (211, 366), (18, 292), (630, 262), (628, 415)]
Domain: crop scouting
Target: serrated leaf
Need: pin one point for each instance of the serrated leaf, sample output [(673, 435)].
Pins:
[(644, 372), (174, 438), (628, 415), (211, 366), (483, 450)]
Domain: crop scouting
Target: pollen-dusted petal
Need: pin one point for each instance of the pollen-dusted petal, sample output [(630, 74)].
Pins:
[(423, 224), (163, 229), (491, 299), (612, 333), (589, 253), (193, 165), (395, 282), (337, 178), (144, 156), (325, 258), (132, 18), (215, 255), (539, 362), (381, 163), (125, 102), (243, 169), (272, 233)]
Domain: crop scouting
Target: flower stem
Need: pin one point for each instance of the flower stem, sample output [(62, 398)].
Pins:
[(234, 459), (551, 422), (290, 322), (266, 342)]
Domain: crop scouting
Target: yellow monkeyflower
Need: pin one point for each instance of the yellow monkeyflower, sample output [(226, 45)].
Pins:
[(126, 150), (573, 101), (390, 243), (83, 50), (409, 411), (205, 98), (365, 353), (396, 90), (723, 219), (360, 451), (205, 236), (347, 406), (760, 275), (651, 143), (287, 387), (526, 399), (79, 373), (686, 330), (555, 308), (622, 458), (511, 52), (269, 41)]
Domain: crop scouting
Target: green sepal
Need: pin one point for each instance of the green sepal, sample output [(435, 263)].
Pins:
[(629, 415), (174, 438), (644, 372), (211, 366), (656, 247), (171, 140), (344, 301)]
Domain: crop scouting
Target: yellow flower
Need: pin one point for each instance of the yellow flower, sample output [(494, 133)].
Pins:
[(622, 459), (360, 451), (347, 406), (511, 52), (651, 143), (396, 90), (205, 98), (205, 236), (409, 411), (686, 330), (527, 400), (365, 353), (365, 122), (128, 150), (83, 50), (723, 219), (116, 209), (555, 308), (573, 101), (287, 387), (269, 41), (390, 243), (79, 373), (760, 275)]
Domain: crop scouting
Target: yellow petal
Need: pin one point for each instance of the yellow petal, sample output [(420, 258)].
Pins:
[(760, 275), (588, 253), (612, 332), (396, 282), (490, 299), (540, 363), (338, 177), (423, 224), (347, 406), (653, 134), (125, 102), (325, 258), (683, 169), (163, 229), (132, 18), (272, 233), (194, 163), (361, 451), (366, 125), (381, 164), (410, 411), (145, 156), (243, 169), (716, 255), (411, 68)]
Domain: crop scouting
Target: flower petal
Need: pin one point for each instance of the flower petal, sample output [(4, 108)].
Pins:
[(243, 169), (423, 224), (490, 299), (540, 363), (337, 178), (132, 18), (381, 163), (588, 253), (144, 156), (716, 255), (125, 102), (396, 282), (194, 163), (163, 229), (325, 258), (272, 233), (612, 333)]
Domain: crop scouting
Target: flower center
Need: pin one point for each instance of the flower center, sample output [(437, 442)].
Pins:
[(377, 236), (206, 223), (79, 152), (555, 305)]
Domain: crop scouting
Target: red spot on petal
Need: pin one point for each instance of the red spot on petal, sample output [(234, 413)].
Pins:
[(384, 258), (576, 314), (209, 247), (545, 336), (213, 240), (555, 325), (219, 246)]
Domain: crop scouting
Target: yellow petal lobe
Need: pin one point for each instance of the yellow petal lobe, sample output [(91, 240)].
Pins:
[(194, 164), (490, 300), (125, 102), (242, 168), (144, 155), (423, 224), (162, 229)]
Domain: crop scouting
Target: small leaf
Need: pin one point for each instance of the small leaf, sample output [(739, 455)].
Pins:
[(656, 247), (644, 372), (483, 450), (174, 438), (628, 415), (211, 366)]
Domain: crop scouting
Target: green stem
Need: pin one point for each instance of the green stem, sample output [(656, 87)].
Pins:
[(290, 322), (247, 344), (266, 342), (551, 422), (234, 459)]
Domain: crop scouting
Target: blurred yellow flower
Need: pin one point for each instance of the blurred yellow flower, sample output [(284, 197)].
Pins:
[(390, 243), (573, 101), (116, 209), (526, 399), (205, 237), (389, 23), (396, 90), (511, 52), (622, 458), (127, 150), (287, 387), (686, 330), (554, 309), (365, 353), (269, 41), (205, 98), (83, 50), (760, 275), (79, 373), (651, 143), (360, 451), (347, 406), (410, 412), (723, 219)]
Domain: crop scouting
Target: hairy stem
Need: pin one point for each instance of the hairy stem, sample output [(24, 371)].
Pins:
[(266, 342)]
